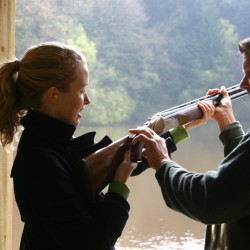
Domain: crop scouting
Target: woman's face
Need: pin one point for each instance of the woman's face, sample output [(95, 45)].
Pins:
[(72, 102)]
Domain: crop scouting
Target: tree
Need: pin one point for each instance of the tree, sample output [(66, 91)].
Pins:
[(153, 54), (199, 46)]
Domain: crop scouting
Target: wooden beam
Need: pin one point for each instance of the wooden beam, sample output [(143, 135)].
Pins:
[(7, 28), (7, 51)]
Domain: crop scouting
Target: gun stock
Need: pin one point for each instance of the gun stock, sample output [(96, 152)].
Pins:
[(100, 166), (97, 169)]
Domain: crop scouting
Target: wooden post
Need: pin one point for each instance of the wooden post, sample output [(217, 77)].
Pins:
[(7, 50)]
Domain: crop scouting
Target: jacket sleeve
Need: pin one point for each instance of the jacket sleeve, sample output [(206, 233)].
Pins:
[(231, 137), (213, 197)]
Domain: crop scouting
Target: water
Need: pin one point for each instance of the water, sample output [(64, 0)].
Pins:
[(152, 225)]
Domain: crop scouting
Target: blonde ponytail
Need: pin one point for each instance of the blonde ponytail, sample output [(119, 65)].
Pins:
[(10, 112)]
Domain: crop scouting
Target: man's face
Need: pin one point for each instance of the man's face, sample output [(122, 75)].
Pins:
[(245, 82)]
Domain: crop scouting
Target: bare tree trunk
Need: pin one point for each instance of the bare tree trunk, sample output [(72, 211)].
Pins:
[(7, 50)]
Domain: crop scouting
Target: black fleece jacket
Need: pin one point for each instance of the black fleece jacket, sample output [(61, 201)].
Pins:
[(56, 211)]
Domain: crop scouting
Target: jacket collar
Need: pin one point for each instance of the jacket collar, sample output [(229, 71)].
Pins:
[(49, 126)]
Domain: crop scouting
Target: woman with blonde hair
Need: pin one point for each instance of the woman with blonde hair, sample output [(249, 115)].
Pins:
[(45, 93)]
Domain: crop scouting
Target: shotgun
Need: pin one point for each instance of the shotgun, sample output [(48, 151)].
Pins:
[(187, 112), (97, 169)]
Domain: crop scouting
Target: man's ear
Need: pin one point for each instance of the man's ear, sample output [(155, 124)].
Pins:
[(52, 94)]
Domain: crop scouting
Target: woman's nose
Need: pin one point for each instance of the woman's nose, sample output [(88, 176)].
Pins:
[(86, 99)]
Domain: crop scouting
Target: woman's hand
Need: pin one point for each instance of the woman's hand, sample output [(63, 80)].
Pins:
[(125, 168)]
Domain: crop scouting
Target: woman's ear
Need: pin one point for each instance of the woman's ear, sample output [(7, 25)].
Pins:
[(52, 94)]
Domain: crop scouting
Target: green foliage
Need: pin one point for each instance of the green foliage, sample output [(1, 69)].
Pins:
[(39, 21), (110, 106), (144, 56), (81, 41)]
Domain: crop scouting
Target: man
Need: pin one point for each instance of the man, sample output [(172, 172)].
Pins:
[(220, 199)]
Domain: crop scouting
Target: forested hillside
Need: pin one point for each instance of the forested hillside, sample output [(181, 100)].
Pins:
[(144, 55)]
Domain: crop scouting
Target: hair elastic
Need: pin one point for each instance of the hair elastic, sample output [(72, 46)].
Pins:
[(17, 64)]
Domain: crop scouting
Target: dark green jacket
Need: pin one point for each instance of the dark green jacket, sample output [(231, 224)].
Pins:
[(220, 199)]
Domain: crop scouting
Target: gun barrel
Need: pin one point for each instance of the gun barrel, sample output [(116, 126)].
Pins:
[(239, 94), (233, 91), (188, 111)]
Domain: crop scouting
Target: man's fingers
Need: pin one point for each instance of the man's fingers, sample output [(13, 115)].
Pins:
[(140, 138), (213, 91), (142, 130)]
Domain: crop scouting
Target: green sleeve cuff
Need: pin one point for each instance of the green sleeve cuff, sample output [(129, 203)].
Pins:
[(179, 134), (119, 188)]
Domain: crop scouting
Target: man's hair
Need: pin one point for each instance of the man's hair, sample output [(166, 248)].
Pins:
[(244, 45)]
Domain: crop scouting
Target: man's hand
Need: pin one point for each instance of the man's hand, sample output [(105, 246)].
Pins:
[(223, 114), (208, 110), (155, 150)]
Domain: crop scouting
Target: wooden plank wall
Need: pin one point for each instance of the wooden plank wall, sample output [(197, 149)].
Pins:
[(7, 50)]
